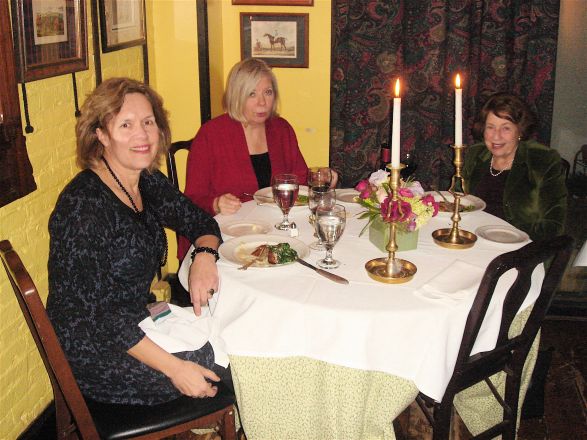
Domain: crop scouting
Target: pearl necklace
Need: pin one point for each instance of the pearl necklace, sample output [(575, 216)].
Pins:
[(163, 259), (507, 167)]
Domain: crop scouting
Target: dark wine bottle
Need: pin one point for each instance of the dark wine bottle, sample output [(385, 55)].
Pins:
[(385, 156)]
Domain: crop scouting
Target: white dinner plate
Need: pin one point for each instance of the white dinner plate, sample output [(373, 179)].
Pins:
[(469, 203), (238, 250), (238, 228), (265, 196), (346, 195), (502, 234)]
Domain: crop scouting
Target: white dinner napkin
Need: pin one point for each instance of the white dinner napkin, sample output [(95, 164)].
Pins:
[(455, 283), (182, 330)]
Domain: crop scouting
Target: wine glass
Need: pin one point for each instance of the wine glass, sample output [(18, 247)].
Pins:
[(409, 161), (318, 196), (285, 189), (330, 223), (319, 177)]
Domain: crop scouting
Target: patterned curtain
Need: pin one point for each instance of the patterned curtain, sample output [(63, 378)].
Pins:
[(496, 45)]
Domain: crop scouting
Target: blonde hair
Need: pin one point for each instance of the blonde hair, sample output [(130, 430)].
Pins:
[(241, 82), (102, 105)]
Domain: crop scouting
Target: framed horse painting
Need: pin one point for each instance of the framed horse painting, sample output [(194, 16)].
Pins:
[(281, 40)]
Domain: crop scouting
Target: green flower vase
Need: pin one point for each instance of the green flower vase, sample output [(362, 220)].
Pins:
[(379, 236)]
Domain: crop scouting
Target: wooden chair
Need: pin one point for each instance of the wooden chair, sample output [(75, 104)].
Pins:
[(580, 160), (179, 295), (171, 166), (80, 418), (509, 354)]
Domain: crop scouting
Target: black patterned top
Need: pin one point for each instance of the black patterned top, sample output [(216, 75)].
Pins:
[(102, 260)]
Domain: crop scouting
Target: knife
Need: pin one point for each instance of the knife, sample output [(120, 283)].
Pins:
[(330, 276)]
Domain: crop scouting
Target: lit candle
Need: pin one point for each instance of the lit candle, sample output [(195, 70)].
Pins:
[(397, 102), (458, 112)]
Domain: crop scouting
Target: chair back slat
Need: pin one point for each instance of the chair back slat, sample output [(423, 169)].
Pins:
[(171, 165), (555, 253), (63, 382)]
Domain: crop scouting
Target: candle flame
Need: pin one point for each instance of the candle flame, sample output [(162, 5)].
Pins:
[(397, 88), (458, 81)]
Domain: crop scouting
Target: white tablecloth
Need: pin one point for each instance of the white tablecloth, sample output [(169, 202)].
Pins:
[(292, 311)]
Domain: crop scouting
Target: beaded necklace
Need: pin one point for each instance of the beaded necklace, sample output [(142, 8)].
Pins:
[(163, 259), (507, 167)]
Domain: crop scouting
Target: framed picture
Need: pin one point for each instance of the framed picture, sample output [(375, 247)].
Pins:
[(279, 39), (122, 24), (49, 37), (274, 2)]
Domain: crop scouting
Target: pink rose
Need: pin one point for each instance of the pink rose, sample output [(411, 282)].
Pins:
[(362, 185)]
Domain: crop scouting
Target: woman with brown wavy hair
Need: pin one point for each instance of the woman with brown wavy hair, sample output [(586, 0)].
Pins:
[(107, 242)]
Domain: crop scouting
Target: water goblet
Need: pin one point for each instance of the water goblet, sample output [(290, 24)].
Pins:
[(318, 196), (330, 223), (285, 189), (319, 177)]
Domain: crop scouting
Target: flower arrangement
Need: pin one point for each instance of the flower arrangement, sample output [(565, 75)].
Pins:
[(412, 210)]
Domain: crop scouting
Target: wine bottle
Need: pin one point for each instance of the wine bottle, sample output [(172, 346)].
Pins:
[(385, 156)]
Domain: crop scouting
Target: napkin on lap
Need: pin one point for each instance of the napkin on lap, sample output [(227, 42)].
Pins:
[(455, 283), (182, 330)]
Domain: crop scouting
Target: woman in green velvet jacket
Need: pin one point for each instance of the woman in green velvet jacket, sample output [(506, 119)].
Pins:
[(521, 180)]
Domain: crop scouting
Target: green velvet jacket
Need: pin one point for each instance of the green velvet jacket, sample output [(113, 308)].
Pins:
[(535, 194)]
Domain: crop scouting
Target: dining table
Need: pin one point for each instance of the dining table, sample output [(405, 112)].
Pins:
[(315, 359)]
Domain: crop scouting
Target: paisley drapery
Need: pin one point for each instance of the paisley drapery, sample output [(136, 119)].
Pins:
[(496, 45)]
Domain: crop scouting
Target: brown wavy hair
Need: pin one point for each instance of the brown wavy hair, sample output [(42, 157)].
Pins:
[(510, 107), (102, 105)]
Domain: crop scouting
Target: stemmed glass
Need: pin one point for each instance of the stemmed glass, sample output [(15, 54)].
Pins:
[(319, 197), (285, 189), (319, 177), (330, 223)]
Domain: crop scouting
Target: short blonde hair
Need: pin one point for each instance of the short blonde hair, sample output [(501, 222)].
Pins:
[(102, 105), (241, 82)]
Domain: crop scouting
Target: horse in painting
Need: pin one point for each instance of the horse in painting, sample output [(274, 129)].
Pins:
[(280, 41)]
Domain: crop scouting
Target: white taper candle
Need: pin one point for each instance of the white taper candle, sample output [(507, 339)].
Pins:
[(395, 139), (458, 112)]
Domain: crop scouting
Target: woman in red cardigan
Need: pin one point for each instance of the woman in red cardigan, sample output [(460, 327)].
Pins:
[(239, 151)]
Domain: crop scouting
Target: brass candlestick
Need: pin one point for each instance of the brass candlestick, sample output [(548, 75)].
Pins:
[(391, 270), (455, 238)]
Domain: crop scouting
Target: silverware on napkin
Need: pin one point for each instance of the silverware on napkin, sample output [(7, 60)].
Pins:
[(256, 196), (324, 273)]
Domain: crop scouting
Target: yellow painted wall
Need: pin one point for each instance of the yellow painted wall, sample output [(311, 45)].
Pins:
[(25, 386)]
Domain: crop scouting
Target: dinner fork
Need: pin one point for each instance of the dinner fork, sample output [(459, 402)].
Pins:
[(264, 252)]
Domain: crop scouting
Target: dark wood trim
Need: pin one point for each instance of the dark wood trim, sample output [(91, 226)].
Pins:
[(96, 42), (204, 61), (16, 172)]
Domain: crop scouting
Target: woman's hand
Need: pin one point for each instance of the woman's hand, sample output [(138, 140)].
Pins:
[(334, 180), (226, 204), (190, 379), (203, 276)]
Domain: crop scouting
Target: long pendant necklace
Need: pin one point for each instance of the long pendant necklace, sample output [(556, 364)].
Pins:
[(508, 166), (163, 259)]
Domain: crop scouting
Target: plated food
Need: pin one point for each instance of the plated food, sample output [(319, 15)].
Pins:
[(242, 250), (265, 196), (347, 195), (468, 203)]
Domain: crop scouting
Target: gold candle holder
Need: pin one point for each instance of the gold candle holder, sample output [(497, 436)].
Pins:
[(391, 270), (455, 238)]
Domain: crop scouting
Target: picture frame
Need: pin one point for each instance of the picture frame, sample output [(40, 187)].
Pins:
[(122, 24), (50, 38), (280, 39), (274, 2)]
